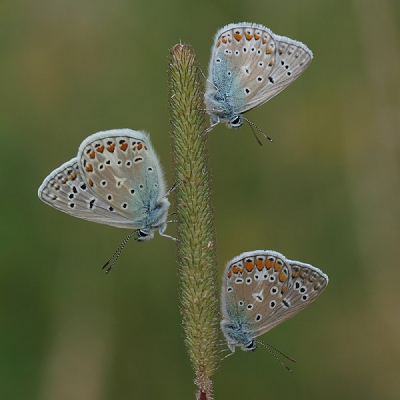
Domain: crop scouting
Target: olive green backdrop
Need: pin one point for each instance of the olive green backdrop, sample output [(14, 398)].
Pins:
[(326, 192)]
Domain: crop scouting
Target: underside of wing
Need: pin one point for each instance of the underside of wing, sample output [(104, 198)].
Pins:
[(66, 190), (123, 170), (290, 60), (262, 62)]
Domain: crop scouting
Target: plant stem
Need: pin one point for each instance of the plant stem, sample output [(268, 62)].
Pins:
[(197, 262)]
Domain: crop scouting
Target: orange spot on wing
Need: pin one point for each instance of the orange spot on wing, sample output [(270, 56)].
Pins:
[(111, 148), (123, 146), (139, 146), (100, 149), (264, 40), (237, 270), (248, 36), (145, 147), (73, 176), (294, 274), (256, 36), (223, 40), (260, 264), (229, 273), (268, 51), (249, 265), (63, 180), (282, 277), (89, 168), (277, 267), (269, 263), (271, 63), (303, 275), (218, 43), (90, 182), (283, 290), (237, 36), (92, 154)]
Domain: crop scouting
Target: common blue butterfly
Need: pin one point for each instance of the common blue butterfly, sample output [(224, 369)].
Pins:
[(262, 289), (116, 179), (249, 65)]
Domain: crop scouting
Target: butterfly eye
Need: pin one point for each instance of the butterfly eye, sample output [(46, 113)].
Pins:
[(250, 346), (236, 121)]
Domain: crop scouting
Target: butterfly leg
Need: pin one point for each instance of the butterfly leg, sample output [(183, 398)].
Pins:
[(168, 236), (211, 127)]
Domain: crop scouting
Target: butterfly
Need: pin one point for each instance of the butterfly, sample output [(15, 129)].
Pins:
[(249, 65), (116, 179), (260, 290)]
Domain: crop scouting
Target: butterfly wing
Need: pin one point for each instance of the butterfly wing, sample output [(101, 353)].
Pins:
[(122, 169), (116, 180), (304, 283), (66, 190), (264, 289), (249, 65), (291, 58)]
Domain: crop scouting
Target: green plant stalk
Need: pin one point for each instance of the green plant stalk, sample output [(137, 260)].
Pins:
[(196, 247)]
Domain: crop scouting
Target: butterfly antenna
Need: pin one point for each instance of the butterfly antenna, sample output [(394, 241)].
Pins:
[(252, 124), (173, 187), (207, 80), (117, 253), (269, 347)]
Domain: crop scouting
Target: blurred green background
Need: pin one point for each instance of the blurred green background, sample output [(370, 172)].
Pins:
[(326, 192)]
